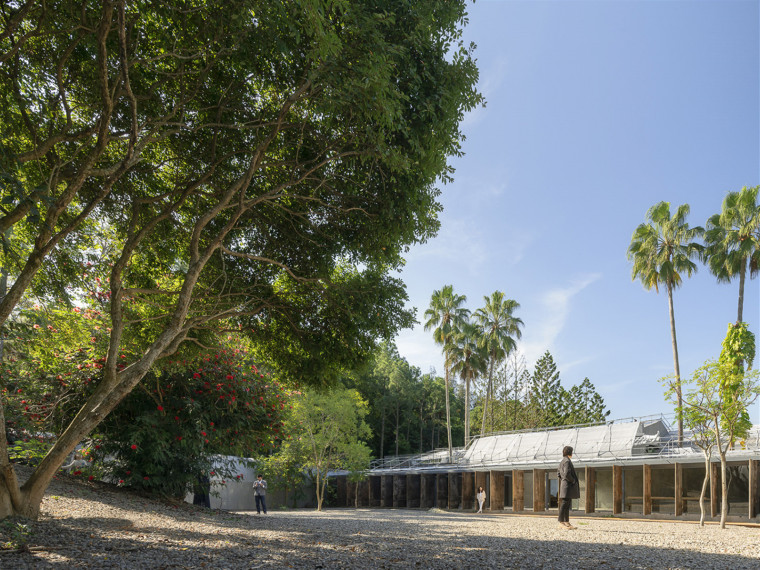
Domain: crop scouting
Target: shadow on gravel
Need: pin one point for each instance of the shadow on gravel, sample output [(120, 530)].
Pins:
[(376, 540)]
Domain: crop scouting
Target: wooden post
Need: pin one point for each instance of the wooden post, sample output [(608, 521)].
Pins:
[(375, 490), (518, 491), (387, 491), (539, 490), (442, 490), (497, 491), (678, 472), (647, 500), (617, 489), (715, 489), (340, 500), (754, 488), (468, 490), (399, 491), (455, 490), (413, 494), (590, 489)]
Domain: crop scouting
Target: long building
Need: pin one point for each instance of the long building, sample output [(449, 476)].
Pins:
[(625, 467)]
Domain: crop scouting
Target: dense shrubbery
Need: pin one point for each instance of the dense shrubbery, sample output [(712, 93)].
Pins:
[(172, 429)]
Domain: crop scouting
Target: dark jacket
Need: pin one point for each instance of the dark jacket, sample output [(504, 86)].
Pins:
[(568, 480)]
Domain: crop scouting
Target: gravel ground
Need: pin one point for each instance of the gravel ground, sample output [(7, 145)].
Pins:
[(92, 525)]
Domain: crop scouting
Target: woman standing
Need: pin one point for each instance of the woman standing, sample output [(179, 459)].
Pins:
[(481, 496), (569, 488)]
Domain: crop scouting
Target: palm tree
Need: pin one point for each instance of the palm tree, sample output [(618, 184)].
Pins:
[(468, 360), (661, 250), (445, 315), (733, 240), (498, 330)]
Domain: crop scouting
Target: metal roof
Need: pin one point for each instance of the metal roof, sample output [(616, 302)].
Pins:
[(630, 441)]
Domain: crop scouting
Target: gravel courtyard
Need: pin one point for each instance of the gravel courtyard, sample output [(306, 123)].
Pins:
[(90, 525)]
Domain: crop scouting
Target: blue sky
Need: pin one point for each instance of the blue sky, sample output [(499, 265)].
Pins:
[(597, 110)]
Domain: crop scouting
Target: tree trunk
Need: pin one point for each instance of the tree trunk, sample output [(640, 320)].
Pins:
[(675, 360), (320, 491), (708, 477), (397, 427), (382, 433), (742, 277), (466, 411), (448, 411), (488, 395), (724, 491)]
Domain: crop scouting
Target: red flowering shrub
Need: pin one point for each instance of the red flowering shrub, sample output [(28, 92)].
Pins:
[(166, 433)]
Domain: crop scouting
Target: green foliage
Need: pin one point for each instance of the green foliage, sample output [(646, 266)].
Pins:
[(738, 349), (326, 432), (182, 420), (15, 533)]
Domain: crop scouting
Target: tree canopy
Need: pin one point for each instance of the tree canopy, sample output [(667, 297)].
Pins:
[(242, 164)]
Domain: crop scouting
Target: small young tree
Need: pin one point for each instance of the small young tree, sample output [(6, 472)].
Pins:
[(326, 432), (710, 405)]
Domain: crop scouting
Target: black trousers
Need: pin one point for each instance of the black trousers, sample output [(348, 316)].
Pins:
[(564, 510), (261, 503)]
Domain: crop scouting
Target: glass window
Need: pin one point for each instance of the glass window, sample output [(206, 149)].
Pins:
[(552, 490), (737, 475), (664, 489), (693, 477), (633, 489), (528, 488), (603, 496)]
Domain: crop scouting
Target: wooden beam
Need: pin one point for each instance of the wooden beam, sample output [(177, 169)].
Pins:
[(754, 488), (497, 491), (468, 490), (714, 489), (617, 489), (678, 474), (590, 489), (647, 500), (518, 491), (539, 490)]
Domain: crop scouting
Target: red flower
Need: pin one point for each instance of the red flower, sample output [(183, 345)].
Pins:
[(160, 408), (229, 376), (196, 375), (90, 478), (146, 477), (133, 446), (121, 481), (203, 433)]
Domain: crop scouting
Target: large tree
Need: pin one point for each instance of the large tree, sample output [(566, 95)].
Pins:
[(662, 249), (468, 359), (254, 163), (445, 316), (732, 240), (499, 330)]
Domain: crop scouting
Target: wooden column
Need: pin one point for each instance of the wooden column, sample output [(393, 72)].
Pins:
[(387, 491), (442, 490), (428, 497), (412, 491), (480, 481), (754, 488), (647, 499), (340, 499), (678, 474), (715, 489), (539, 490), (590, 498), (399, 491), (617, 489), (350, 493), (518, 491), (455, 490), (497, 491), (364, 493), (375, 490), (468, 490)]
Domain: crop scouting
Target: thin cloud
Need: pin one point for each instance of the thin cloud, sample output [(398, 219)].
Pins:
[(556, 305)]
